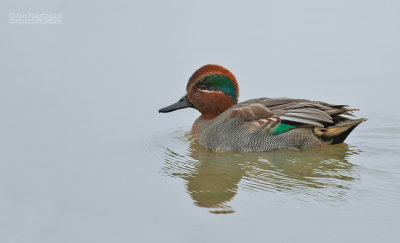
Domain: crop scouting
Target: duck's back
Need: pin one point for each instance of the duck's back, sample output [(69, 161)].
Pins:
[(265, 124)]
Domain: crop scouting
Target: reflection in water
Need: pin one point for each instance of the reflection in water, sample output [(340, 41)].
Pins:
[(214, 178)]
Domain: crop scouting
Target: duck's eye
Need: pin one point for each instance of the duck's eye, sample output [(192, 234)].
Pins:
[(203, 86)]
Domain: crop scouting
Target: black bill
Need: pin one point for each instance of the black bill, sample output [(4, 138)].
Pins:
[(184, 102)]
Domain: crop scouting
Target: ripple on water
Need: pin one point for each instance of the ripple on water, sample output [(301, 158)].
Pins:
[(213, 179), (381, 140)]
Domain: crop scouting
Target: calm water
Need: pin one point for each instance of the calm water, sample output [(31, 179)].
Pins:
[(85, 157), (328, 175)]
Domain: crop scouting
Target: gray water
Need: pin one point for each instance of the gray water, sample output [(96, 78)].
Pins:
[(85, 157)]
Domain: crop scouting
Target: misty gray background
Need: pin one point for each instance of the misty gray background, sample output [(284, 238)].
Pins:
[(79, 101)]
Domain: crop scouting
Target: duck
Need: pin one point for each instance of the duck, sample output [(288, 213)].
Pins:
[(261, 124)]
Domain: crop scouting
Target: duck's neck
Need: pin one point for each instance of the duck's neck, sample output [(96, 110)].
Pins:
[(208, 116)]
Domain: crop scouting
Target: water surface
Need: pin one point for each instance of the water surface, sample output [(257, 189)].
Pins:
[(212, 179)]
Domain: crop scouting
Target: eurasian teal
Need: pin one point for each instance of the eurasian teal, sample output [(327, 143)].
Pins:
[(262, 124)]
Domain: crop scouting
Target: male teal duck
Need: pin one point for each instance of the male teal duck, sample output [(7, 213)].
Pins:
[(258, 125)]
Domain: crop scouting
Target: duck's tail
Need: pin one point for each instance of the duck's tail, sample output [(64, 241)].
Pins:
[(338, 132)]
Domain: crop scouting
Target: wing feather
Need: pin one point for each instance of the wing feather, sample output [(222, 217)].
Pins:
[(298, 111), (301, 120), (314, 117)]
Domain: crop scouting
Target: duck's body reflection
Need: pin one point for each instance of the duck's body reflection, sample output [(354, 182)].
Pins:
[(213, 179)]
